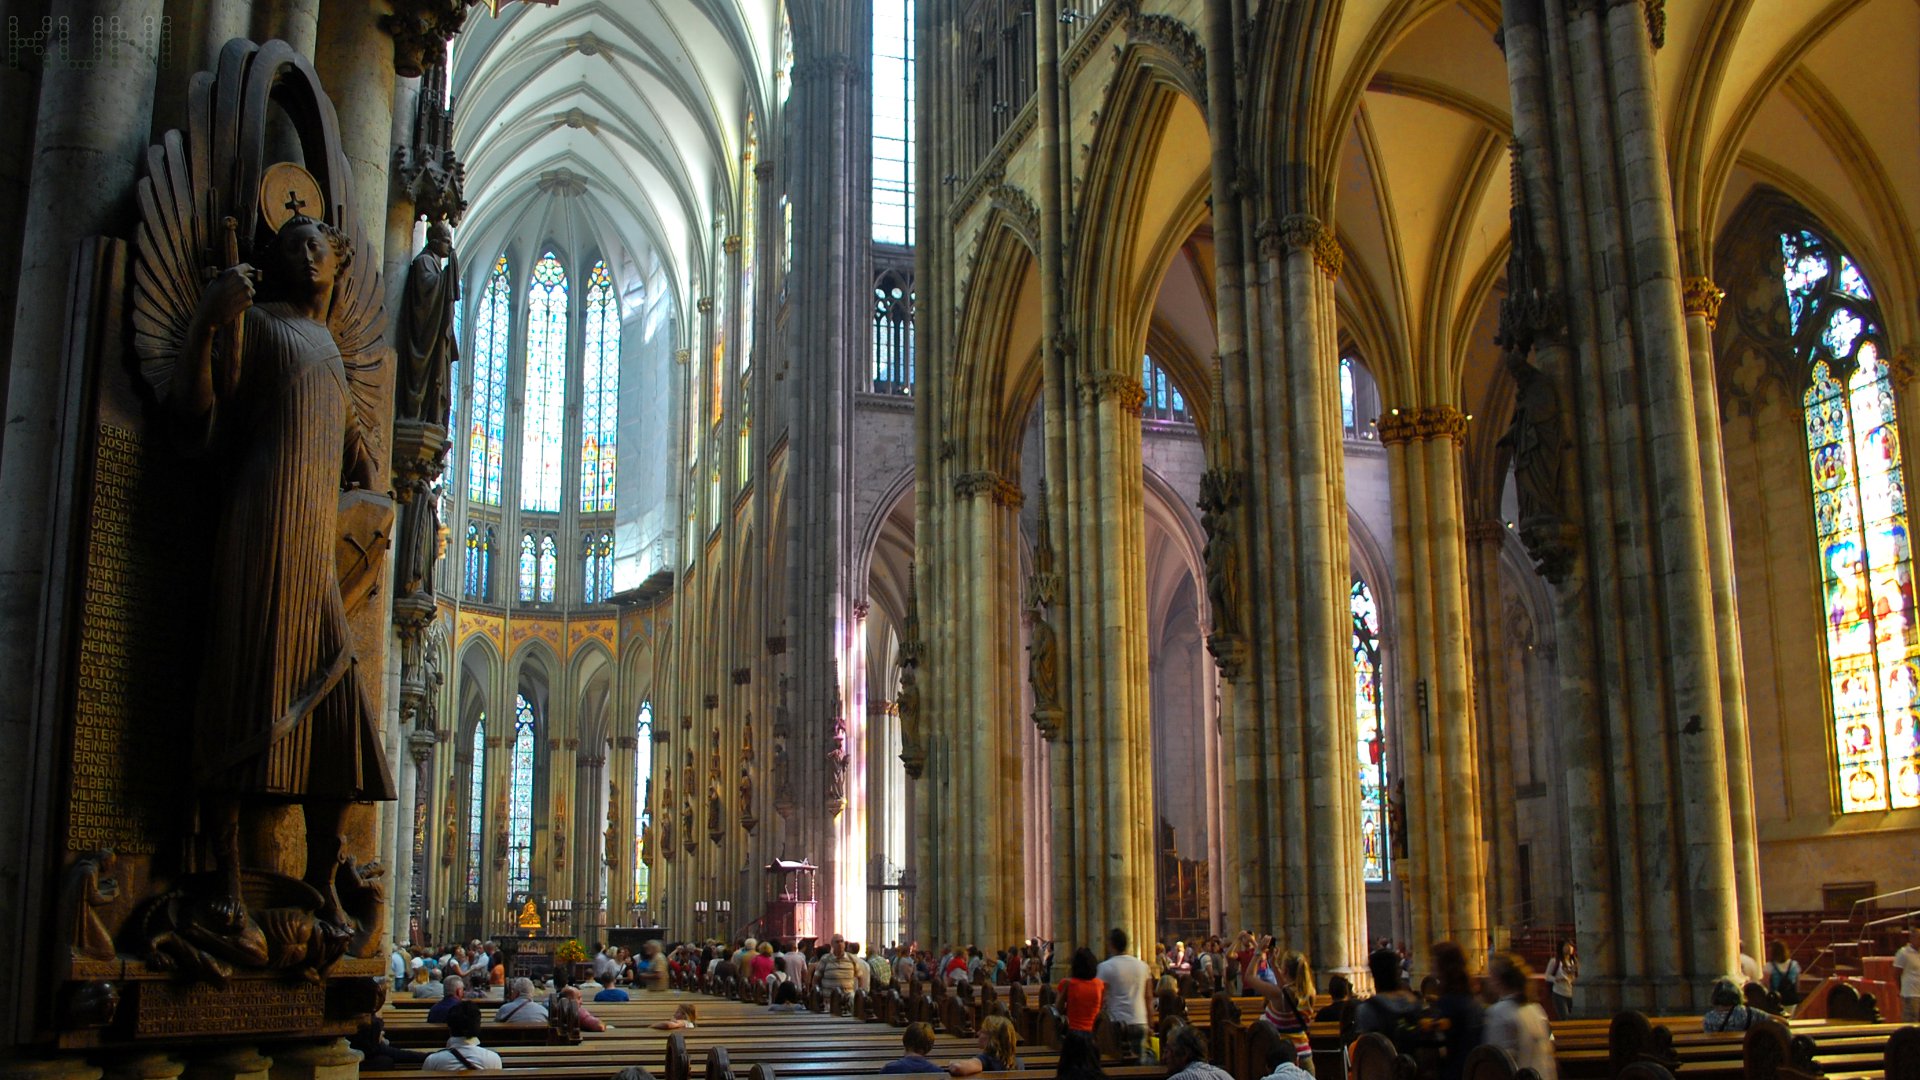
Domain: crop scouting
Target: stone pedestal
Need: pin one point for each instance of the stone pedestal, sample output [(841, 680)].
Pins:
[(331, 1060), (239, 1063)]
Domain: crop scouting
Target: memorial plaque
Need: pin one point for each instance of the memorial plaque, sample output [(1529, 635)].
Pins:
[(127, 758), (172, 1009)]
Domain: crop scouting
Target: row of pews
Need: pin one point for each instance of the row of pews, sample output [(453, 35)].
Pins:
[(843, 1036)]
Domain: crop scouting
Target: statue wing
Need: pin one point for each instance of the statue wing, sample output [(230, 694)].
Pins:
[(358, 322), (173, 248)]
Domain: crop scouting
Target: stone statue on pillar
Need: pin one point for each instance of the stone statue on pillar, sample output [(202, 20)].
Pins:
[(748, 820), (610, 840), (1218, 512), (254, 302), (1043, 644), (913, 746), (782, 763), (716, 801)]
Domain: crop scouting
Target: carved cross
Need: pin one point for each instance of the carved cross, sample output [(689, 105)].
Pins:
[(294, 203)]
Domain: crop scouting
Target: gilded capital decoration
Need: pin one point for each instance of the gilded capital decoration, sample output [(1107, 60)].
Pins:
[(682, 356), (1702, 297), (731, 244), (1421, 423), (704, 305)]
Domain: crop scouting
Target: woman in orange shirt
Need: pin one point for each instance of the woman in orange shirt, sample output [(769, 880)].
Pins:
[(1082, 992)]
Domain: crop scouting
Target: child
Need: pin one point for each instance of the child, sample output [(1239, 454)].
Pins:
[(683, 1018)]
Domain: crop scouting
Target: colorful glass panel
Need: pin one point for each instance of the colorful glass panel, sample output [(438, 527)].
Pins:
[(529, 568), (549, 568), (520, 804), (487, 434), (1370, 723), (544, 421), (600, 402), (476, 807), (1860, 527)]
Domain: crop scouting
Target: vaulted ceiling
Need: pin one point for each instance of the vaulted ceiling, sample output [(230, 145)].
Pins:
[(616, 125)]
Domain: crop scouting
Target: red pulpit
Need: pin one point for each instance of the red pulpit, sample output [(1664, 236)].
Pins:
[(792, 902)]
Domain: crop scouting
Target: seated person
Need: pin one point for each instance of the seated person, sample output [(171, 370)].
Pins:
[(520, 1008), (786, 999), (371, 1040), (996, 1050), (456, 992), (610, 993), (683, 1019), (1186, 1057), (633, 1072), (917, 1041), (1728, 1013), (588, 1021), (464, 1052), (426, 984)]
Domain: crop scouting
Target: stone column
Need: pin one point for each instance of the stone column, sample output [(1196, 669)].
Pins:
[(149, 1066), (91, 127), (1701, 299), (238, 1063), (1613, 505), (832, 267), (1485, 540), (1445, 881), (1105, 750)]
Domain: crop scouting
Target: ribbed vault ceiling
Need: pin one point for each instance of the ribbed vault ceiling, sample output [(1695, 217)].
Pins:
[(630, 113)]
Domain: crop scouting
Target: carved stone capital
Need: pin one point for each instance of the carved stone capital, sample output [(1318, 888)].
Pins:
[(1423, 422), (704, 305), (420, 30), (682, 356), (731, 244), (987, 482), (1702, 297), (420, 746), (419, 457), (1124, 387)]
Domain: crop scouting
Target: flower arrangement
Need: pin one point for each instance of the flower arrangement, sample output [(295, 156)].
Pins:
[(570, 952)]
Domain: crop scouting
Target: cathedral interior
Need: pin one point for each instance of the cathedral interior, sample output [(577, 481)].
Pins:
[(1366, 471)]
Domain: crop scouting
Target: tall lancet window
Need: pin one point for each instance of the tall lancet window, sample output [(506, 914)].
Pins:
[(596, 567), (549, 568), (476, 807), (1860, 525), (529, 567), (642, 795), (893, 121), (1370, 722), (487, 436), (600, 400), (520, 804), (544, 420), (478, 569)]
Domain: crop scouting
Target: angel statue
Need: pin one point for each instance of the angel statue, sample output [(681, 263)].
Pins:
[(283, 711), (260, 335)]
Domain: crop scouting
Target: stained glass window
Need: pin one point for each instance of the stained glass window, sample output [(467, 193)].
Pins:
[(529, 568), (893, 298), (487, 436), (749, 223), (477, 579), (596, 567), (544, 420), (549, 568), (1164, 400), (784, 78), (642, 797), (476, 807), (520, 804), (1347, 420), (600, 402), (893, 121), (1370, 723), (1860, 526)]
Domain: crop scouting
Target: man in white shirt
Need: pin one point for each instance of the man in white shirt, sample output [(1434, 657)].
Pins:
[(605, 968), (1907, 963), (837, 969), (1126, 977), (1517, 1025), (463, 1052), (1750, 969)]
